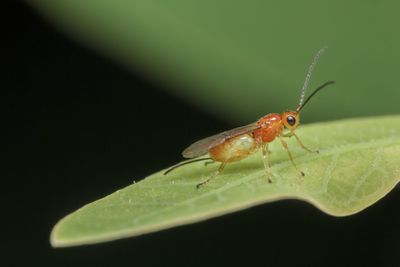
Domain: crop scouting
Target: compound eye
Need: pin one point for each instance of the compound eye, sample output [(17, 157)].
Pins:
[(291, 120)]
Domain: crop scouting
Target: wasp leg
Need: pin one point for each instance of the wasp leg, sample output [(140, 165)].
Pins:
[(264, 148), (300, 143), (220, 169), (285, 146), (303, 146), (290, 134)]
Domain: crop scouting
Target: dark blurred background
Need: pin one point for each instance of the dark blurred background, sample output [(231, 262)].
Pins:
[(78, 126)]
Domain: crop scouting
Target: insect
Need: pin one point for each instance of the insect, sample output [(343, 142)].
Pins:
[(238, 143)]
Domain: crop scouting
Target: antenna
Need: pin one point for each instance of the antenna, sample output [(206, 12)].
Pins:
[(308, 77), (313, 93)]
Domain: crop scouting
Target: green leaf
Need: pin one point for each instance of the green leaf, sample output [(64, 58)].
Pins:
[(357, 165)]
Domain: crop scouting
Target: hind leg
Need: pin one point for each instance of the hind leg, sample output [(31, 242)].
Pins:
[(220, 169)]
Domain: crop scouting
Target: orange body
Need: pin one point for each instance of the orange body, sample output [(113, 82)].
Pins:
[(241, 146), (240, 142), (234, 149), (271, 127)]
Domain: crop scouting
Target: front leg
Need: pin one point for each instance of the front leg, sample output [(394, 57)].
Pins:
[(290, 134)]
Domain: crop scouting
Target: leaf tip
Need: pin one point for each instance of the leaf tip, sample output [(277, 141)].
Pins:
[(55, 242)]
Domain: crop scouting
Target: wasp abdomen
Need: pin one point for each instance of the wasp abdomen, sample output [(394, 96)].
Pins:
[(234, 148)]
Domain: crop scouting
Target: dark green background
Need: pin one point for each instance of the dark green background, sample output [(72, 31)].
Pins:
[(88, 112), (242, 59)]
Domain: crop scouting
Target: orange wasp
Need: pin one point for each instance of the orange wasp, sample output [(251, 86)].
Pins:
[(238, 143)]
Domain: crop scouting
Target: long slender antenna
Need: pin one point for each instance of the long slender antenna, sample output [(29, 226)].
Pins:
[(184, 163), (308, 77), (313, 93)]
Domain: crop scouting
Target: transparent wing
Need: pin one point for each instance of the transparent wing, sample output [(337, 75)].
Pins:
[(202, 146)]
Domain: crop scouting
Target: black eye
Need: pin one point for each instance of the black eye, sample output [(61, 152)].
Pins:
[(291, 120)]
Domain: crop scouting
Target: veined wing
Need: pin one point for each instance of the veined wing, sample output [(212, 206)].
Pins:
[(202, 146)]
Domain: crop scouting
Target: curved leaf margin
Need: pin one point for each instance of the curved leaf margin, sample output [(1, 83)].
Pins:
[(357, 165)]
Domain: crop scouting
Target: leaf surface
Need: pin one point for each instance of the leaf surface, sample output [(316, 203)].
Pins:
[(357, 165)]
